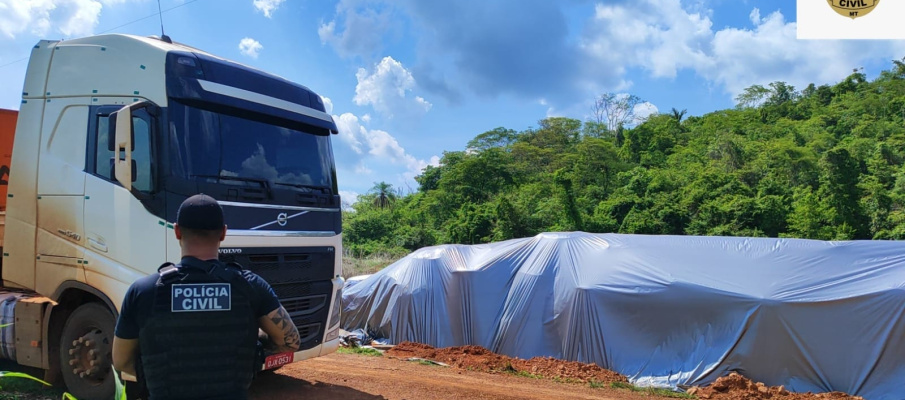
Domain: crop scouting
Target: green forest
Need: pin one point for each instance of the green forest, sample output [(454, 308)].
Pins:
[(824, 162)]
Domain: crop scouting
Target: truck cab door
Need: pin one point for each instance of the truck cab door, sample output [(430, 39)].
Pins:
[(59, 240), (123, 234)]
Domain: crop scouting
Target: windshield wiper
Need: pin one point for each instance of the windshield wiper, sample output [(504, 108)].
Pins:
[(264, 182)]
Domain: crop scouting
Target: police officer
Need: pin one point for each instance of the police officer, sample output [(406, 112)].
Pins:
[(192, 329)]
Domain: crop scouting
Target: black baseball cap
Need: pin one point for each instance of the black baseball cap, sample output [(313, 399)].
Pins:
[(200, 212)]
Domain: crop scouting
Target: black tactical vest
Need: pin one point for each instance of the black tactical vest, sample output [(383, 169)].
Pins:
[(200, 340)]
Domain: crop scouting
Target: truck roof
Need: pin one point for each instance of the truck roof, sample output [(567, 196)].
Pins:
[(156, 43)]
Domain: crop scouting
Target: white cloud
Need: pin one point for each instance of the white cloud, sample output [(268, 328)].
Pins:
[(362, 30), (350, 130), (72, 18), (755, 16), (348, 194), (349, 198), (386, 89), (362, 169), (663, 38), (643, 111), (378, 145), (465, 48), (250, 47), (658, 35), (779, 56), (328, 104), (267, 6), (383, 145)]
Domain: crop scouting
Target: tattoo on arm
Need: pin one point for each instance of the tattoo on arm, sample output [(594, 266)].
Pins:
[(291, 339)]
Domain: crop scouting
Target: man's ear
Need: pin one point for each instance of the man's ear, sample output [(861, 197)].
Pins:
[(223, 233), (178, 231)]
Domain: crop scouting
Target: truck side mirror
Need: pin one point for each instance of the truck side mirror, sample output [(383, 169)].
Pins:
[(113, 168), (122, 141), (122, 146)]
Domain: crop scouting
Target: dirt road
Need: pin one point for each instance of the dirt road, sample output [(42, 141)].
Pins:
[(351, 377)]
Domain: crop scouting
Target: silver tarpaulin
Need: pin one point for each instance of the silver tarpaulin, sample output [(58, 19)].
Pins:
[(662, 310)]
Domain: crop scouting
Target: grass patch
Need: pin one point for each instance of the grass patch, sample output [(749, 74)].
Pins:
[(15, 388), (422, 361), (652, 391), (354, 266), (22, 389), (365, 351), (596, 384), (526, 374), (623, 385)]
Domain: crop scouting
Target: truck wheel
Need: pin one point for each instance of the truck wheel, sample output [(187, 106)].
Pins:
[(86, 353)]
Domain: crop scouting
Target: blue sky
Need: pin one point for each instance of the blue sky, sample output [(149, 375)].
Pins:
[(409, 79)]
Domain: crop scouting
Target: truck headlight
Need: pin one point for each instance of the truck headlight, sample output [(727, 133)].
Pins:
[(333, 334), (335, 308)]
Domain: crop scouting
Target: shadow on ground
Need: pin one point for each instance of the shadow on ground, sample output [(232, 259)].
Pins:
[(276, 386)]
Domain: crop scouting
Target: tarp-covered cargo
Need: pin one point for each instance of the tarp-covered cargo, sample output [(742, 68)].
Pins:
[(663, 310)]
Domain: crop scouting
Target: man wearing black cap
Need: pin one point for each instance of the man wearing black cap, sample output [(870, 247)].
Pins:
[(192, 328)]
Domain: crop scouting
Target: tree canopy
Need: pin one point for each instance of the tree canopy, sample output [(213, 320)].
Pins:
[(823, 163)]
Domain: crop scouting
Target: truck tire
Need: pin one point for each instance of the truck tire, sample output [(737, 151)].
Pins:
[(86, 353)]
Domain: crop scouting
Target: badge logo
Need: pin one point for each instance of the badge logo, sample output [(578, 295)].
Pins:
[(282, 219), (853, 8), (195, 297)]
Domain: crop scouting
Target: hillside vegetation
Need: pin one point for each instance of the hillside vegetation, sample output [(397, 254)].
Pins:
[(825, 162)]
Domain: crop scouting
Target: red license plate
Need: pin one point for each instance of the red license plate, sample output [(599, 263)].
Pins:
[(277, 360)]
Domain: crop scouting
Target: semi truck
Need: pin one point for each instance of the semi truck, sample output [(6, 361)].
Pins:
[(113, 133)]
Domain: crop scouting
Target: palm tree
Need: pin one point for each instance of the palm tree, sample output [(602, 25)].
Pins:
[(678, 115), (383, 194)]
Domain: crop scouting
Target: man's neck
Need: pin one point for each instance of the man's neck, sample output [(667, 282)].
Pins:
[(202, 258), (201, 255), (200, 249)]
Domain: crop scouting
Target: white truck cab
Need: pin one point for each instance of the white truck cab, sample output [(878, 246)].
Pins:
[(113, 133)]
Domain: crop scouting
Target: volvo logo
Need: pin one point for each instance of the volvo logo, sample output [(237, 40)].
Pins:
[(230, 251), (281, 220)]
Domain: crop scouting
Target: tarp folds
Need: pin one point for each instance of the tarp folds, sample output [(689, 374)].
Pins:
[(662, 310)]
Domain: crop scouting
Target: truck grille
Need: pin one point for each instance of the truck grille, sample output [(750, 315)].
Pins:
[(310, 332), (304, 305), (301, 279), (288, 267)]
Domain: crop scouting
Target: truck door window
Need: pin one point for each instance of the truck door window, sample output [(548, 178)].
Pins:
[(141, 126), (103, 157), (102, 166)]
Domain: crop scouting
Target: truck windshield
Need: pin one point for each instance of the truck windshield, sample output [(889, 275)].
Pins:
[(217, 147)]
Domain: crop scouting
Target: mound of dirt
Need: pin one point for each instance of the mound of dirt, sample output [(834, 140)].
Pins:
[(551, 367), (731, 387), (481, 359), (737, 387)]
